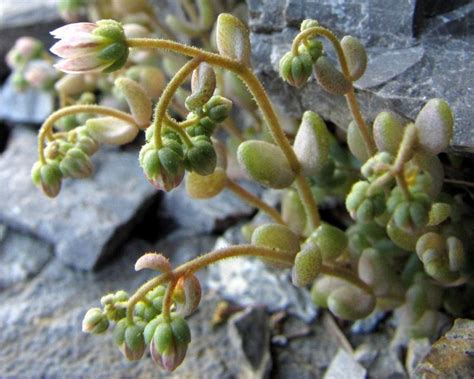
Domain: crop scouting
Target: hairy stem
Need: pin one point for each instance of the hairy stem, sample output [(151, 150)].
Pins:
[(167, 96), (47, 127), (254, 201), (350, 96), (168, 299), (231, 252), (260, 96)]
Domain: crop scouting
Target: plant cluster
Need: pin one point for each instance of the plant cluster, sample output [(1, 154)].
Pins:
[(406, 247)]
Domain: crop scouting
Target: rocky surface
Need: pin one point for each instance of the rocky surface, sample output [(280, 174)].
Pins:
[(248, 281), (414, 54), (41, 328), (90, 218), (204, 216), (28, 106)]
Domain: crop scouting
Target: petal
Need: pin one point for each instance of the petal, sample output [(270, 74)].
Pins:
[(65, 49), (81, 64), (71, 29)]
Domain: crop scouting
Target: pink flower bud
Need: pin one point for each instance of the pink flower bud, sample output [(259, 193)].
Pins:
[(90, 47)]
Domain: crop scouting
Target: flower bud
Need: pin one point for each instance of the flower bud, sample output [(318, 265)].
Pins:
[(137, 99), (130, 339), (88, 47), (279, 237), (313, 47), (218, 108), (205, 187), (76, 164), (232, 38), (356, 56), (149, 159), (356, 143), (171, 158), (307, 265), (265, 163), (73, 85), (202, 157), (95, 321), (361, 206), (111, 130), (332, 241), (434, 125), (48, 177), (330, 78), (204, 127), (87, 144), (24, 50), (203, 84), (388, 132), (296, 69), (377, 165), (350, 303), (169, 341), (409, 214), (189, 289), (311, 144), (40, 74)]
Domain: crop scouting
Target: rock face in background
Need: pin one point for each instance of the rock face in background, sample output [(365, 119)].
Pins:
[(414, 54), (90, 218)]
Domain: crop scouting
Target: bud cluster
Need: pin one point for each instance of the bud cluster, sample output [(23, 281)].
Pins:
[(167, 337)]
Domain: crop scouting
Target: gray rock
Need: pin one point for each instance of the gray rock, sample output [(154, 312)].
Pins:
[(29, 106), (248, 281), (404, 71), (183, 245), (386, 363), (249, 333), (203, 216), (21, 257), (304, 357), (42, 320), (90, 218), (344, 366)]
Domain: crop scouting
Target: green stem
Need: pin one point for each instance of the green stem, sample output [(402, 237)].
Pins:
[(254, 201), (231, 252), (168, 299), (48, 124), (260, 96), (181, 132), (350, 96), (167, 96)]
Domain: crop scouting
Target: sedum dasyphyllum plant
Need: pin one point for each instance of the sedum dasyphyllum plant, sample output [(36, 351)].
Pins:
[(406, 245)]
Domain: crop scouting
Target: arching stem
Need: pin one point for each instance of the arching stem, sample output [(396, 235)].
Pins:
[(350, 96), (47, 127), (167, 96)]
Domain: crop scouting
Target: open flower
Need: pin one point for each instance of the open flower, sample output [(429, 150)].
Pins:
[(90, 47)]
